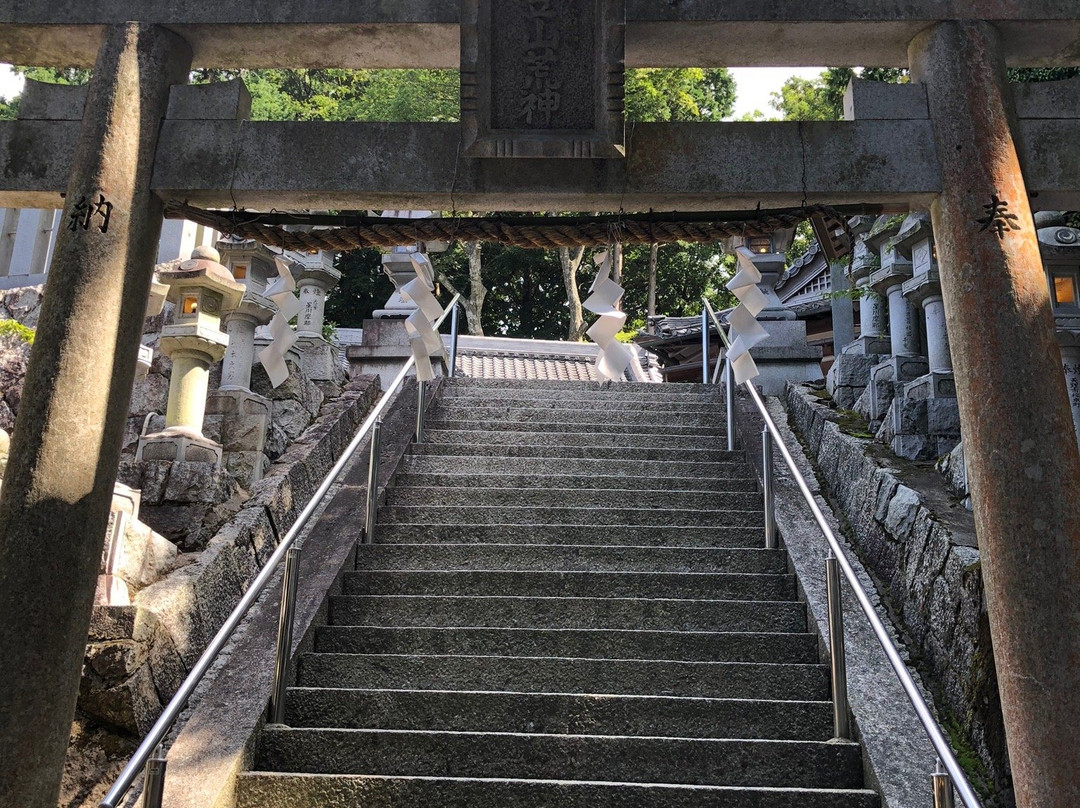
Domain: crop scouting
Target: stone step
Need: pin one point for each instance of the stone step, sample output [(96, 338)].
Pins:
[(273, 790), (568, 557), (270, 790), (556, 713), (594, 416), (639, 404), (551, 583), (614, 454), (606, 482), (649, 404), (541, 534), (481, 464), (666, 614), (579, 497), (488, 515), (613, 439), (697, 761), (451, 386), (729, 680), (555, 425), (686, 646)]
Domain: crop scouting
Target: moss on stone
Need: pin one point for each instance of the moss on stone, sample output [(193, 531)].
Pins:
[(12, 328)]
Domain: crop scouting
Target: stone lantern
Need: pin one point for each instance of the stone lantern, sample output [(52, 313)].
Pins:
[(250, 262), (201, 290), (1060, 249), (766, 255)]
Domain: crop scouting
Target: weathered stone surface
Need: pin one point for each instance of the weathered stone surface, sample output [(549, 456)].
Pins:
[(922, 546), (848, 377)]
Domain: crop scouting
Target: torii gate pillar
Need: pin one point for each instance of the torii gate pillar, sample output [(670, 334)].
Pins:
[(54, 504), (1024, 466)]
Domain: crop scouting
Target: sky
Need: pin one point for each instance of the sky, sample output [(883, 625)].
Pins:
[(753, 84)]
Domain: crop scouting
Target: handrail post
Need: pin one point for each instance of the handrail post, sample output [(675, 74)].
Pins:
[(453, 340), (421, 389), (286, 618), (769, 489), (838, 666), (704, 346), (154, 779), (729, 395), (943, 790), (371, 503)]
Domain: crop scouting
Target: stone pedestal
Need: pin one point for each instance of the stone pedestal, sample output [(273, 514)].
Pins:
[(254, 310), (384, 351), (887, 381), (1070, 362), (245, 422), (849, 376), (785, 357), (319, 359)]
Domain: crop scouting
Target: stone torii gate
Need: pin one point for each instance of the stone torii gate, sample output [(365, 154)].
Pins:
[(541, 130)]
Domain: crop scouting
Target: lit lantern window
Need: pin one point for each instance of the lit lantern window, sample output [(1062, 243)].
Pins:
[(760, 244), (240, 271), (189, 307), (1065, 290)]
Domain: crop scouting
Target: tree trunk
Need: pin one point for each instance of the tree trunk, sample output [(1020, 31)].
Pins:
[(570, 264), (474, 301), (654, 252)]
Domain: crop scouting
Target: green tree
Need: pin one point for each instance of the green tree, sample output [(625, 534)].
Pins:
[(684, 272), (362, 289), (822, 99)]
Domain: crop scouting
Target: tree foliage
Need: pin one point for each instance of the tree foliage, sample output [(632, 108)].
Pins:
[(679, 94), (822, 99)]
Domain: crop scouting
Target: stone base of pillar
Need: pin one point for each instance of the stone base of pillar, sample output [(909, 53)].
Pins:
[(887, 380), (934, 384), (384, 351), (849, 376), (179, 445), (869, 346), (921, 429), (244, 424), (319, 359)]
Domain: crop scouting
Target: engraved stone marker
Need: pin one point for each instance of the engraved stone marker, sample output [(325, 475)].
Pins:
[(549, 85)]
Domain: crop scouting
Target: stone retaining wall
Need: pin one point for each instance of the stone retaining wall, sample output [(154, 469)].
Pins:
[(920, 544), (139, 654)]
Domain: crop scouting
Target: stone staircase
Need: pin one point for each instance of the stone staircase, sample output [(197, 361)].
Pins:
[(568, 604)]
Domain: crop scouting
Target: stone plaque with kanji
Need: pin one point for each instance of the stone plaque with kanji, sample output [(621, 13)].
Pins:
[(542, 78)]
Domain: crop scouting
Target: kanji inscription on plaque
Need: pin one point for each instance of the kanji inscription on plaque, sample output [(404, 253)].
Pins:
[(549, 85)]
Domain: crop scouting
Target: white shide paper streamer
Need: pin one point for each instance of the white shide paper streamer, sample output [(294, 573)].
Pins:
[(614, 357), (424, 340), (281, 291), (743, 318)]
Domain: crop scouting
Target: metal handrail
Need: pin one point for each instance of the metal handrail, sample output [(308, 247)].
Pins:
[(176, 705), (922, 710)]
